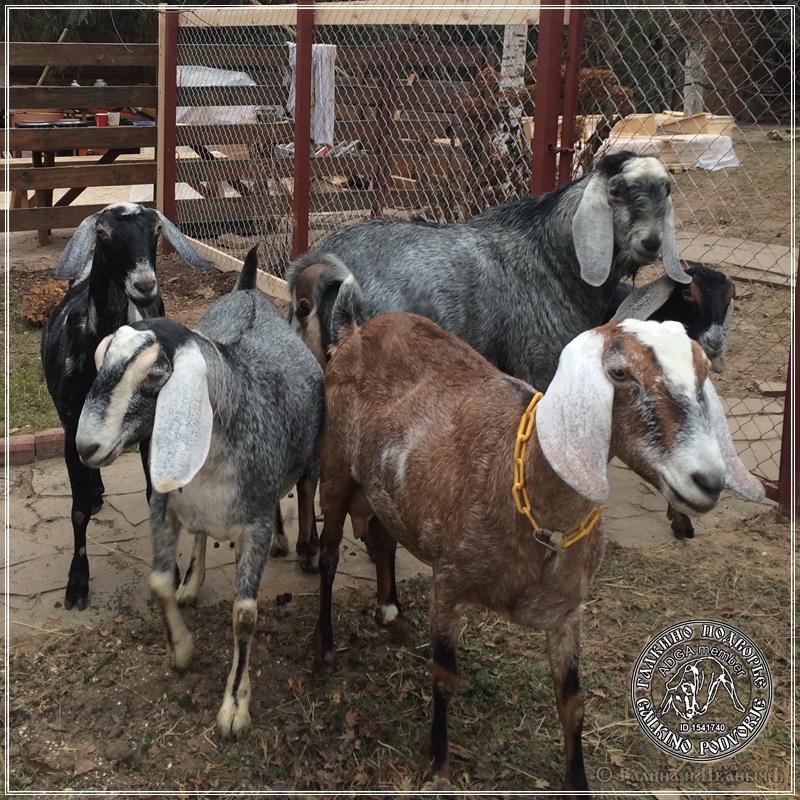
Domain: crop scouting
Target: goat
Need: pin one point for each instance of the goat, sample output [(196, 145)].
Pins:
[(114, 285), (516, 282), (234, 410), (704, 307), (419, 434)]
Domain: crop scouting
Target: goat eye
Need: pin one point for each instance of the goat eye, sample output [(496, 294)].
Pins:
[(102, 234), (615, 192), (687, 295), (618, 374)]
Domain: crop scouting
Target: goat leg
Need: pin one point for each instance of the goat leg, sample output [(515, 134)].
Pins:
[(335, 504), (97, 491), (82, 484), (195, 574), (280, 544), (307, 537), (443, 622), (144, 454), (681, 524), (387, 612), (165, 527), (563, 647), (233, 718)]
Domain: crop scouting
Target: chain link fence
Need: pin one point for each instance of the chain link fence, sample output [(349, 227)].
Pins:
[(708, 91), (429, 113)]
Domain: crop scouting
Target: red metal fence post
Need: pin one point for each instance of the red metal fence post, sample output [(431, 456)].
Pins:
[(302, 129), (570, 109), (547, 98), (166, 121), (789, 432)]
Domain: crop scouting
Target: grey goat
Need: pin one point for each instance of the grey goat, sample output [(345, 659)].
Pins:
[(111, 263), (234, 409), (518, 281)]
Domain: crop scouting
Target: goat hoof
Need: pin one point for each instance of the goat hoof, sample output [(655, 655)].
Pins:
[(232, 721), (324, 663), (97, 504), (279, 549), (180, 654), (309, 562), (79, 602), (184, 599), (437, 783)]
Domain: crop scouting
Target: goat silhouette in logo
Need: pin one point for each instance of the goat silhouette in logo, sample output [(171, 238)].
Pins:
[(694, 686)]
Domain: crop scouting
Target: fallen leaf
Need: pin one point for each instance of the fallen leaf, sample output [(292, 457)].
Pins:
[(617, 761), (598, 693), (541, 783), (361, 778), (40, 766), (461, 752), (351, 718), (83, 765)]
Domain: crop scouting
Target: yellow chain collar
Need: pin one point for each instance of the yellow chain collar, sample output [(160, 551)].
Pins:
[(554, 540)]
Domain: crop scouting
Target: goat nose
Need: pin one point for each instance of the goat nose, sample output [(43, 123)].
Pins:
[(87, 451), (711, 484), (145, 285), (652, 244)]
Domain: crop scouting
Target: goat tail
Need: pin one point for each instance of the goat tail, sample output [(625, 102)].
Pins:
[(249, 273)]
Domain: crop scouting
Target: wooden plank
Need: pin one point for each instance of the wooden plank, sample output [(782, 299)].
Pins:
[(81, 96), (228, 208), (274, 94), (60, 177), (442, 96), (32, 219), (242, 133), (272, 285), (367, 130), (81, 138), (224, 56), (80, 54), (411, 55), (390, 12), (196, 170)]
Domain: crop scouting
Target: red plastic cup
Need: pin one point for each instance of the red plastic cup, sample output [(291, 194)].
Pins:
[(101, 119)]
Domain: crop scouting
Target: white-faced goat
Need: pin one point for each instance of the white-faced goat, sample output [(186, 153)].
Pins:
[(420, 432), (233, 410), (518, 281), (113, 285), (704, 308)]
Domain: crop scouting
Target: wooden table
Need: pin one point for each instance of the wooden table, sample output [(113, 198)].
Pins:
[(44, 174)]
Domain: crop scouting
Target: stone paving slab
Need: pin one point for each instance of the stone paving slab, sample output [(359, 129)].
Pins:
[(766, 263), (119, 545)]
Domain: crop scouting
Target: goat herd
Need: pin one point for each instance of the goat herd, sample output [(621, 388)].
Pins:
[(409, 391)]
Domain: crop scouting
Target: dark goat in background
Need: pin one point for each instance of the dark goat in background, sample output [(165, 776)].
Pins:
[(113, 285)]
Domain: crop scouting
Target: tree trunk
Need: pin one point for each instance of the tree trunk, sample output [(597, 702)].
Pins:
[(694, 71)]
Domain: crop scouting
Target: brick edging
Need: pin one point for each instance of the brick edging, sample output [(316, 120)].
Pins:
[(27, 448)]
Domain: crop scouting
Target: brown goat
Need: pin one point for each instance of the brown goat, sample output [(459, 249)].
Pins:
[(420, 433)]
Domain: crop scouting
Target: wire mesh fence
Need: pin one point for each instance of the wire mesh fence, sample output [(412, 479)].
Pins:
[(707, 91), (430, 114)]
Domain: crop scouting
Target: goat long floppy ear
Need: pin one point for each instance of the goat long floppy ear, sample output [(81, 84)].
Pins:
[(78, 250), (184, 420), (182, 246), (737, 476), (644, 301), (573, 419), (593, 232), (669, 249)]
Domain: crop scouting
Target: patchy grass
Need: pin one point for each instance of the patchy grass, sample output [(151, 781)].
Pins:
[(30, 406), (85, 720)]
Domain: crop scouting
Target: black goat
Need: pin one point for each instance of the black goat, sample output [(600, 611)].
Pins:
[(110, 287)]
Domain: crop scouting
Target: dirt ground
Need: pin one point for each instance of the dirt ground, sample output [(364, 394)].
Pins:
[(99, 709)]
